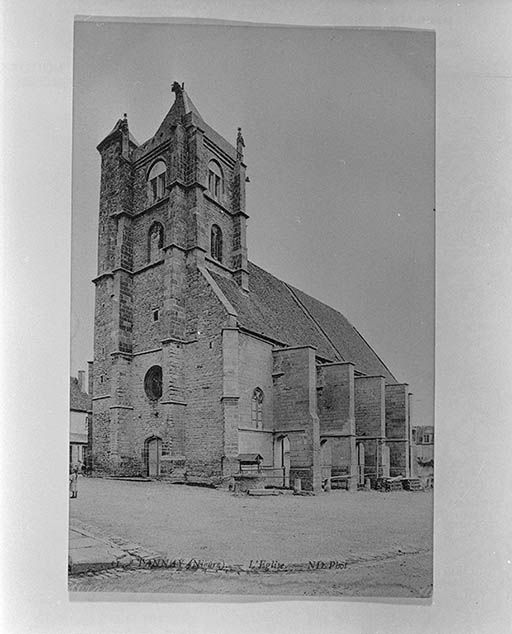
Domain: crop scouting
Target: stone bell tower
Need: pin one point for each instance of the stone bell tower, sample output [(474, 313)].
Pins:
[(168, 206)]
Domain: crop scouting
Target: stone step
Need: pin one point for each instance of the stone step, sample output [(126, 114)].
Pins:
[(129, 478), (261, 492)]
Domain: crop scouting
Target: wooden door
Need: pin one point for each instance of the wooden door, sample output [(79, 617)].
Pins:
[(154, 448)]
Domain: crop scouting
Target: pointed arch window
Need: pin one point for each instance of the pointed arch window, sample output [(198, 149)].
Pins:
[(156, 182), (216, 243), (155, 242), (257, 408), (215, 180)]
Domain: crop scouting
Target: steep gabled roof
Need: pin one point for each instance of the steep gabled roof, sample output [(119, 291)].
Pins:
[(78, 401), (282, 313), (183, 106), (120, 125), (270, 310), (349, 343)]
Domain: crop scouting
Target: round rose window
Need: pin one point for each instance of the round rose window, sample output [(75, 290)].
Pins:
[(153, 383)]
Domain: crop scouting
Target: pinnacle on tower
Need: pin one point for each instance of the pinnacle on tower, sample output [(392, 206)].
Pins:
[(182, 106), (240, 144)]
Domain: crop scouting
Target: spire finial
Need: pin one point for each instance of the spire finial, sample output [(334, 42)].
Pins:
[(240, 144), (177, 88)]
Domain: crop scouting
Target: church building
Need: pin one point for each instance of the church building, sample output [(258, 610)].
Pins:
[(200, 356)]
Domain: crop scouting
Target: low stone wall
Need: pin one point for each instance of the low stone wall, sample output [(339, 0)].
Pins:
[(305, 475), (246, 481)]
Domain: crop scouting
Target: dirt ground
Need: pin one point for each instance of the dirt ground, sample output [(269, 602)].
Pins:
[(213, 525)]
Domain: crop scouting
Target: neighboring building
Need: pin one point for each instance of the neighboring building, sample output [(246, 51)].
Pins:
[(200, 355), (423, 453), (80, 414)]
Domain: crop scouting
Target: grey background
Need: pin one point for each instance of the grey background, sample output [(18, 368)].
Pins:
[(473, 344)]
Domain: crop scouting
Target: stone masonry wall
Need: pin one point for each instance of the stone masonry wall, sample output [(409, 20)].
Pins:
[(369, 406), (123, 307), (336, 398), (214, 215), (397, 428), (203, 377), (227, 171), (148, 289), (109, 204), (336, 402), (149, 417), (141, 196), (124, 256), (257, 442), (295, 410), (113, 301), (230, 398), (174, 400), (141, 227), (370, 421), (256, 364), (100, 442), (102, 336)]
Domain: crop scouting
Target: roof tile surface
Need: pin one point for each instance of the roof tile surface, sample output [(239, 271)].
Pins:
[(278, 311)]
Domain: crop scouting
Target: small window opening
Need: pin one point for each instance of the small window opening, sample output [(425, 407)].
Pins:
[(156, 315), (215, 180), (155, 242), (257, 408), (156, 182), (216, 243)]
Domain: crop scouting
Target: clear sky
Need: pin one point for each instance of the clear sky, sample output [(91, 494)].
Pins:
[(339, 133)]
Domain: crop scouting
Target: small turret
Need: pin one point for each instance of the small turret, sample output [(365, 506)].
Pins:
[(239, 260), (119, 133), (240, 144)]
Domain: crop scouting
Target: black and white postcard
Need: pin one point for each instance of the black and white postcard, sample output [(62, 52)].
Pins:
[(252, 310)]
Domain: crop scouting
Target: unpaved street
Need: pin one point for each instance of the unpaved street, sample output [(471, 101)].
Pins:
[(213, 525)]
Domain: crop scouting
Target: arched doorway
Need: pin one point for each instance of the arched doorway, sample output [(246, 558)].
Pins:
[(282, 458), (153, 454), (360, 462)]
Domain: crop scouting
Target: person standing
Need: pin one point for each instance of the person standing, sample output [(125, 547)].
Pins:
[(73, 482)]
